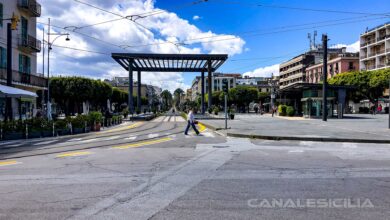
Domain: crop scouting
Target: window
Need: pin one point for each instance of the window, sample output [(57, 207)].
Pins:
[(350, 67), (24, 64), (24, 27), (3, 57)]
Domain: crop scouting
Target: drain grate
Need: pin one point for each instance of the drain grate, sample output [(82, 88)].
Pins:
[(220, 146)]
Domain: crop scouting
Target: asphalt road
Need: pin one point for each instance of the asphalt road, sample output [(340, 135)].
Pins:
[(151, 170)]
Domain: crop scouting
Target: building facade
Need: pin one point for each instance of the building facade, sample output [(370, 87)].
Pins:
[(25, 47), (375, 48), (345, 62), (217, 78), (249, 81), (152, 93), (294, 70)]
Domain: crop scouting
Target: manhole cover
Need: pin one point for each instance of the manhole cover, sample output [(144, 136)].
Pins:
[(220, 146)]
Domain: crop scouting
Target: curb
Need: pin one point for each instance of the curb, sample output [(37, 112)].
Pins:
[(316, 139)]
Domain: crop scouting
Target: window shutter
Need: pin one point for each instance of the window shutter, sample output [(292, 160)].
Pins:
[(21, 63), (28, 70), (3, 57)]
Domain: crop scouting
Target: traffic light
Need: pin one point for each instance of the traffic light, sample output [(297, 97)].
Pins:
[(225, 85), (14, 21)]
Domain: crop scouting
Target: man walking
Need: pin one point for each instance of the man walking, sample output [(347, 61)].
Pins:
[(191, 120)]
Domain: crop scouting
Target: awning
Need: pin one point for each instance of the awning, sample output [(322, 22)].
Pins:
[(317, 99), (6, 91)]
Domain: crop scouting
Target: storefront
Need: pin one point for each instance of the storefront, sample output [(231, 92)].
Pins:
[(20, 103), (307, 100)]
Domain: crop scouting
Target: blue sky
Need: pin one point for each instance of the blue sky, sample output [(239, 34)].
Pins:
[(263, 32)]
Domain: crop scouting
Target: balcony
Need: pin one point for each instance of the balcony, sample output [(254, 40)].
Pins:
[(25, 79), (29, 44), (30, 6)]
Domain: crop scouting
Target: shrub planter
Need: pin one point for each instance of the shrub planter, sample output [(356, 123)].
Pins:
[(14, 136), (34, 134), (62, 132), (78, 130), (47, 134)]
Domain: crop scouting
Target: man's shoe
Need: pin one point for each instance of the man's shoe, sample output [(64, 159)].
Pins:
[(185, 134)]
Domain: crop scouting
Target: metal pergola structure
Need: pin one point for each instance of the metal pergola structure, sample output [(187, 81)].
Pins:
[(143, 62)]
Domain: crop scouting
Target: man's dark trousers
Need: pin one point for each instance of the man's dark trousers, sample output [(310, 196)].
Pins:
[(193, 127)]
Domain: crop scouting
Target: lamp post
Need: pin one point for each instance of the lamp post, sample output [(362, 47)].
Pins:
[(272, 83), (50, 44)]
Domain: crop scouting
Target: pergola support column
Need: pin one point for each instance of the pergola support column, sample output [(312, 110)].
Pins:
[(209, 83), (130, 99), (139, 91), (202, 93)]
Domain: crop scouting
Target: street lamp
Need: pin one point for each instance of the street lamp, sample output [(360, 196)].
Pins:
[(272, 83), (49, 48)]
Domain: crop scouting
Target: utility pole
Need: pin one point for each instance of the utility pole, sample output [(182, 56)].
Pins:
[(9, 71), (325, 76), (43, 63), (48, 105)]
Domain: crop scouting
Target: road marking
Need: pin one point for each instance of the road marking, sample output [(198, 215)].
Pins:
[(8, 142), (153, 135), (131, 138), (296, 151), (15, 145), (74, 154), (143, 143), (89, 140), (166, 119), (172, 135), (75, 139), (208, 134), (159, 119), (45, 142), (201, 127), (137, 124), (10, 162), (111, 138), (179, 119)]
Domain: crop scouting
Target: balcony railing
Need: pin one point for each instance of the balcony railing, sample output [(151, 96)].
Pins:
[(34, 80), (30, 6), (29, 43)]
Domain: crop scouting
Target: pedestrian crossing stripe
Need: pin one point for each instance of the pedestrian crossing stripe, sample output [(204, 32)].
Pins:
[(143, 143), (137, 124), (9, 162), (74, 154)]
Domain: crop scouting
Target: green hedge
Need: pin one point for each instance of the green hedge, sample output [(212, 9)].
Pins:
[(282, 110), (290, 111)]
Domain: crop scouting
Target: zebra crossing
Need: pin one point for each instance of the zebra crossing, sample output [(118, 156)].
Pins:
[(169, 119)]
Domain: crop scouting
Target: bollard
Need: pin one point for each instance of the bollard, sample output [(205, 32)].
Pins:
[(1, 133), (53, 129), (26, 131)]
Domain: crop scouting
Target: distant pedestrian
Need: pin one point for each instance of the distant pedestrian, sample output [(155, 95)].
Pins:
[(256, 109), (191, 122), (273, 110), (380, 108)]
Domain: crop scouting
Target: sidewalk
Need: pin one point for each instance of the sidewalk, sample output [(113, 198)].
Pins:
[(353, 128)]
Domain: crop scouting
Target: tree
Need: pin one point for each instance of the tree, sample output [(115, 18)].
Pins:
[(167, 98), (242, 96), (369, 84), (177, 95)]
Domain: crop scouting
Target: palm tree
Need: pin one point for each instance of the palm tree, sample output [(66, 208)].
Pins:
[(167, 97), (178, 93)]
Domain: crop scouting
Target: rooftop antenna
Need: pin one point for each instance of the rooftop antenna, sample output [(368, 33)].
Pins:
[(314, 38), (310, 41)]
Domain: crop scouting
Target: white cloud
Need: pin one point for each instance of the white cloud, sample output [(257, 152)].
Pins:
[(352, 48), (264, 71), (196, 17), (161, 28)]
